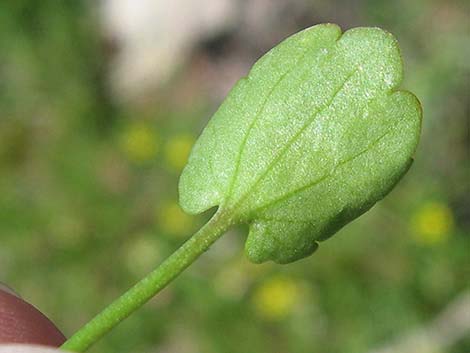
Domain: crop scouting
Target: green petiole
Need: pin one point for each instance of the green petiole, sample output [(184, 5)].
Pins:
[(149, 286)]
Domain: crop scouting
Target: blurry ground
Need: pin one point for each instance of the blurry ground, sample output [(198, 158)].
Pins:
[(99, 106)]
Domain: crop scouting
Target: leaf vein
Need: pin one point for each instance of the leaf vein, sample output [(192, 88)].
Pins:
[(321, 179), (296, 136), (253, 122)]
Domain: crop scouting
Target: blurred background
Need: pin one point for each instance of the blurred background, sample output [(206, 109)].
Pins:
[(100, 103)]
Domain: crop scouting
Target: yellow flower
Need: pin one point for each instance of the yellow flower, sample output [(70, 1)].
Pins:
[(140, 143), (174, 221), (177, 151), (276, 298), (432, 223)]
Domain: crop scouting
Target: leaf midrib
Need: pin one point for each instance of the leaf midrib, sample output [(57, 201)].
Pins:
[(294, 139), (255, 119)]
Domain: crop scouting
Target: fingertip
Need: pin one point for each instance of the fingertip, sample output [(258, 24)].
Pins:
[(20, 322), (9, 290)]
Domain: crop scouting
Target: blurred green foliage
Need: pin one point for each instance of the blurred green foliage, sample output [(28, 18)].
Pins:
[(88, 198)]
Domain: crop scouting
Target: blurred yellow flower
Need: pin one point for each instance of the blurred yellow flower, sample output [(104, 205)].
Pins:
[(276, 298), (140, 143), (432, 223), (172, 220), (177, 151)]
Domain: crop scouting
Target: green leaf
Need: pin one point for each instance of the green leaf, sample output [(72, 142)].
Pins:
[(312, 138)]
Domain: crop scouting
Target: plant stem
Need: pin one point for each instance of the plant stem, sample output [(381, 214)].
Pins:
[(153, 283)]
